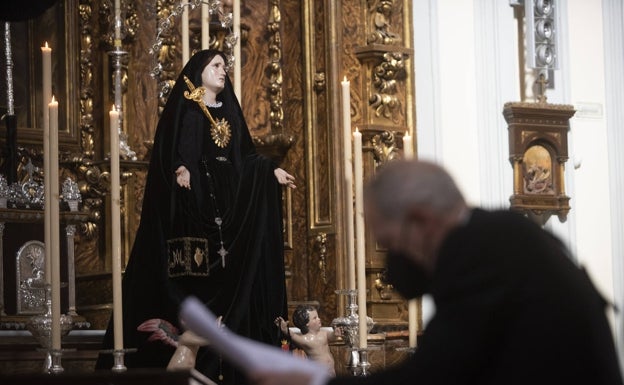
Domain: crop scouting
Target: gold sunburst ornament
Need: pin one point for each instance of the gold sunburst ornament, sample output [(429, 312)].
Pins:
[(220, 130)]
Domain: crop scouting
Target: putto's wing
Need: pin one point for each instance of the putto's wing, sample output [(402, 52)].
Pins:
[(161, 331)]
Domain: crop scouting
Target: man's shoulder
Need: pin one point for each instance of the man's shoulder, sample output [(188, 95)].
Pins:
[(489, 239), (490, 226), (479, 215)]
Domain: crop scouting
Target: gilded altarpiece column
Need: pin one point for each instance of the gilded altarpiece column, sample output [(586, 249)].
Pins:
[(377, 56)]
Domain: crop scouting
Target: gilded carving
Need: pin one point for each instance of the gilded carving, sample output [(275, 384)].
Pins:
[(384, 288), (86, 79), (275, 146), (351, 66), (380, 19), (129, 18), (321, 247), (386, 77), (91, 186), (165, 50), (92, 203), (384, 147), (319, 82), (275, 68)]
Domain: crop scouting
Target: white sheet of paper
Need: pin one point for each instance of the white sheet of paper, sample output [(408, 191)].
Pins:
[(248, 355)]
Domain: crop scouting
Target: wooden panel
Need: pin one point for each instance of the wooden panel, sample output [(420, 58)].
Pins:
[(318, 118)]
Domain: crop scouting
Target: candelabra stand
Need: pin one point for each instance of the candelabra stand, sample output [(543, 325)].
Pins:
[(364, 364), (119, 365), (349, 325), (118, 361), (40, 326), (119, 57)]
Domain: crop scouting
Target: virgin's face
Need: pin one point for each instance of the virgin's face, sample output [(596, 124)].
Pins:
[(213, 75)]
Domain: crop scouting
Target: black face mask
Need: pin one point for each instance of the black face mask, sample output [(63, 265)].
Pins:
[(408, 278)]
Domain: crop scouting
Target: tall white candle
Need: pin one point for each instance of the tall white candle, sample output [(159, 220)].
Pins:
[(185, 32), (205, 26), (117, 93), (115, 228), (408, 146), (117, 23), (46, 63), (55, 224), (412, 313), (348, 182), (359, 235), (236, 11), (412, 304)]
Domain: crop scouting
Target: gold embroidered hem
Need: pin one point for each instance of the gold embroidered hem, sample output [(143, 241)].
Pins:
[(188, 256), (220, 130)]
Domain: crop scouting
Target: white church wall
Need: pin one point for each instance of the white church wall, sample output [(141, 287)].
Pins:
[(462, 81), (450, 118), (613, 30), (589, 130), (464, 78)]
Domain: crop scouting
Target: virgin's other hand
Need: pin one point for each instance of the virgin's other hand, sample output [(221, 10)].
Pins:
[(284, 178), (183, 177)]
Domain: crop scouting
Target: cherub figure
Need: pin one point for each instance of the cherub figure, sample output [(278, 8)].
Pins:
[(187, 343), (313, 340)]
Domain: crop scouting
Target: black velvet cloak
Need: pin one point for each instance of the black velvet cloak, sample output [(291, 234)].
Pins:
[(175, 253)]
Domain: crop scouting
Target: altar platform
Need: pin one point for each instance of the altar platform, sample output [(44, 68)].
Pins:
[(21, 353), (22, 359), (130, 377)]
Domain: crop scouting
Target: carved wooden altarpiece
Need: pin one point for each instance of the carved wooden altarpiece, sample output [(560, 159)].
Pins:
[(294, 53)]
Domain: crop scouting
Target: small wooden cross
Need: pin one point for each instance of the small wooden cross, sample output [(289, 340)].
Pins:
[(543, 82)]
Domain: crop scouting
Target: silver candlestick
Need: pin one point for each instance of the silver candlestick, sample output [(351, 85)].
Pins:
[(364, 364), (119, 365), (119, 57), (349, 325), (40, 326)]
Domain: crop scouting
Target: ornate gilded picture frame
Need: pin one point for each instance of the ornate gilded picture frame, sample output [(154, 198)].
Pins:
[(58, 28)]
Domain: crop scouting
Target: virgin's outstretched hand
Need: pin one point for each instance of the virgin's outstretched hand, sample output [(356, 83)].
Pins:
[(183, 177), (284, 178)]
